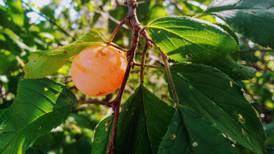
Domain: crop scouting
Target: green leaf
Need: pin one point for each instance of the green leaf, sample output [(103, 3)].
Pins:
[(44, 63), (234, 69), (41, 65), (189, 133), (189, 39), (7, 62), (142, 124), (252, 18), (158, 11), (220, 100), (16, 12), (269, 130), (40, 105), (101, 137)]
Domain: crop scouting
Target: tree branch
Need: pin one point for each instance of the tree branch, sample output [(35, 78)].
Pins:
[(136, 27)]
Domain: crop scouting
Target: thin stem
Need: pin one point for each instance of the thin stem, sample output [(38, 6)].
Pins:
[(116, 46), (170, 79), (143, 64), (94, 101), (179, 9), (199, 15), (149, 66), (50, 20), (111, 143), (117, 29), (111, 18)]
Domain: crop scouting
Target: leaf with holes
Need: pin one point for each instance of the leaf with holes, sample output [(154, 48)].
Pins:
[(189, 39), (142, 124), (252, 18), (40, 105), (217, 98)]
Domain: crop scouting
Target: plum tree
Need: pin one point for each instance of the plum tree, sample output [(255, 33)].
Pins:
[(99, 69)]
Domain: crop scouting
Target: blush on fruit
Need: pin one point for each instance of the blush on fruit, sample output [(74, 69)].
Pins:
[(98, 70)]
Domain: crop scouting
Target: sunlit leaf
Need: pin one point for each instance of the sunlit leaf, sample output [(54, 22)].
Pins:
[(44, 63), (40, 105), (189, 39)]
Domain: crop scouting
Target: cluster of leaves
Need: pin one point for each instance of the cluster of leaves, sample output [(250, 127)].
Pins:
[(208, 114)]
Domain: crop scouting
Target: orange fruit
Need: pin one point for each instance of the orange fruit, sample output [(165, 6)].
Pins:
[(98, 70)]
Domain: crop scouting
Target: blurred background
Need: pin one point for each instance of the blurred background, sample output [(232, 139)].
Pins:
[(31, 25)]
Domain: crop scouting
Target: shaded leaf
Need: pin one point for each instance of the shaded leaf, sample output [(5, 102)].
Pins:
[(234, 69), (217, 98), (252, 18), (189, 39), (190, 133), (40, 105), (142, 124), (101, 137)]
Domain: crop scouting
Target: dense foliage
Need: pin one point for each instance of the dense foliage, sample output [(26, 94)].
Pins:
[(208, 77)]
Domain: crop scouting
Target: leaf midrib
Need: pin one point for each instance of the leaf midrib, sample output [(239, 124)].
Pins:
[(189, 41), (147, 132)]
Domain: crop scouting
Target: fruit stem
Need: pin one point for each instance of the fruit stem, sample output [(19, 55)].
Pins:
[(116, 46), (116, 30)]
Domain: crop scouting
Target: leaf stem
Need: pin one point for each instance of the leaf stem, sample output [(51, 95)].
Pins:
[(169, 78), (142, 66)]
